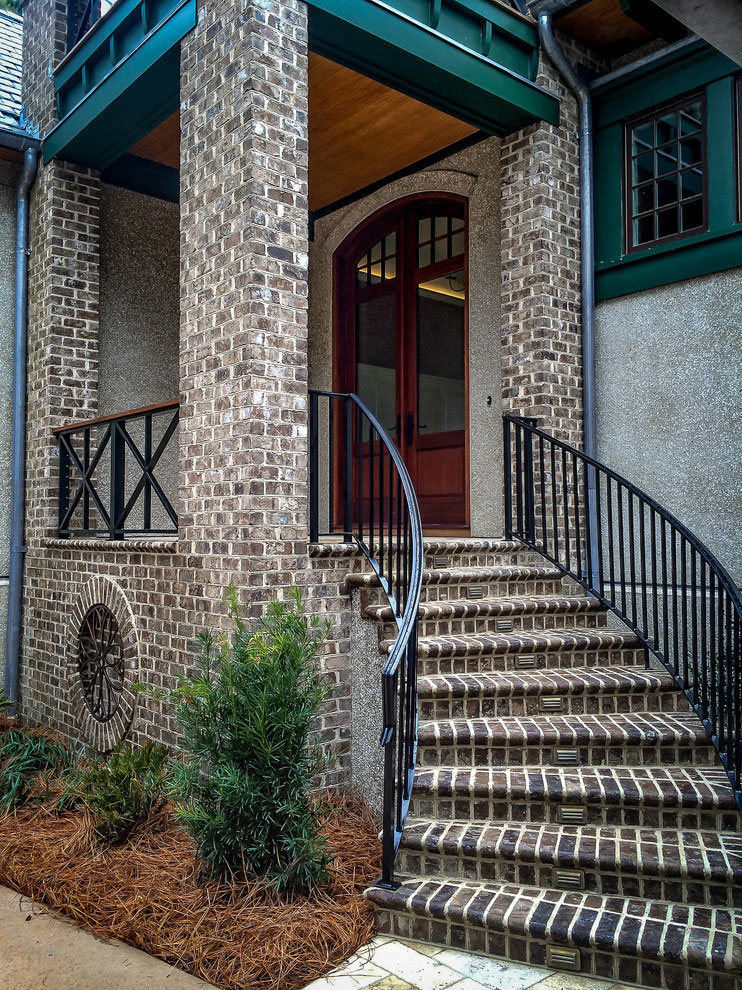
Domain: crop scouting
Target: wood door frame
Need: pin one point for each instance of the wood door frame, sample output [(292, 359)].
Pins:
[(372, 228)]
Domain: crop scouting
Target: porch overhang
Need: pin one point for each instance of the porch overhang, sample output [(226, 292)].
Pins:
[(120, 81), (473, 59)]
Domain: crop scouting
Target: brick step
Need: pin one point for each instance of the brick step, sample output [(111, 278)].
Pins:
[(656, 797), (689, 867), (622, 739), (465, 615), (558, 648), (654, 943), (571, 690), (503, 574)]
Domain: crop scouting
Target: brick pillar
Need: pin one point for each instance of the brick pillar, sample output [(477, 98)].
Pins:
[(244, 261), (541, 342), (62, 344)]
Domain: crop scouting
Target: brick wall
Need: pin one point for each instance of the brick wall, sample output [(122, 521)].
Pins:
[(243, 376)]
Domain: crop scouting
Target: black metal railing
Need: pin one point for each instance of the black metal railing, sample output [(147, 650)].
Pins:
[(361, 490), (107, 481), (640, 562)]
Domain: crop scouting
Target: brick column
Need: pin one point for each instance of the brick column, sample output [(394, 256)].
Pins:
[(541, 331), (62, 348), (244, 260)]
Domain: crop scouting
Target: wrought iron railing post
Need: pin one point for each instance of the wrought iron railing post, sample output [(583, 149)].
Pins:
[(508, 469), (348, 469), (314, 467), (529, 494), (64, 483), (118, 480)]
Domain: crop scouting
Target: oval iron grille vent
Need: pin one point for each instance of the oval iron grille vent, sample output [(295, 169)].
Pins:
[(101, 662)]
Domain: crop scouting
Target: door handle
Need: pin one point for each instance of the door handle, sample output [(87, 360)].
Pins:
[(410, 429)]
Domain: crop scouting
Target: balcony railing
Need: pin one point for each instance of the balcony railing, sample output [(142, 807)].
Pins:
[(107, 481)]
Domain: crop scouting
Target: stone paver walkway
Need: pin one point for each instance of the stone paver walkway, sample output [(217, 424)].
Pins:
[(390, 964), (43, 951)]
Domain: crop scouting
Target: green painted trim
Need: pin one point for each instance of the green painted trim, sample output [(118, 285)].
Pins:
[(127, 100), (688, 259), (144, 176), (658, 82), (392, 45), (693, 68)]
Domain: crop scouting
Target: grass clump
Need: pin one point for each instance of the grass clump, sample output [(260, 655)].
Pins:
[(244, 785), (125, 790), (27, 763)]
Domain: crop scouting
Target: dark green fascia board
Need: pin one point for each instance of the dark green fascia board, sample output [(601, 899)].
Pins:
[(144, 176), (689, 67), (136, 95), (680, 261), (395, 49)]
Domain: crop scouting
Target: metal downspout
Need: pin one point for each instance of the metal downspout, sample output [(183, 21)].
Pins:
[(18, 459), (587, 252)]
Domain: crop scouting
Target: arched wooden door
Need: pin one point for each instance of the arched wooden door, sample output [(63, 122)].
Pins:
[(401, 336)]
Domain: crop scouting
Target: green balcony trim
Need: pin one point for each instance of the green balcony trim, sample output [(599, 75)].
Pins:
[(113, 88), (398, 49), (686, 70)]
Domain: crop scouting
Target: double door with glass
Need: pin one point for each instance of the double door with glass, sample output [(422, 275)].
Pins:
[(402, 313)]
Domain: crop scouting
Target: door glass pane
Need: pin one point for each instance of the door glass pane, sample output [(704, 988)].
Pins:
[(376, 357), (441, 321)]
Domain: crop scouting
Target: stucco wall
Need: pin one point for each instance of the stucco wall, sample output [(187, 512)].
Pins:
[(139, 322), (8, 187), (139, 300), (669, 385), (473, 173)]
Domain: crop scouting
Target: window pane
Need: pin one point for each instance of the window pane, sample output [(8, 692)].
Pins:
[(692, 213), (667, 191), (457, 243), (441, 316), (376, 356), (644, 229), (441, 226), (667, 222), (691, 183), (441, 249), (423, 230), (457, 224), (667, 159), (690, 150), (643, 137), (644, 198), (423, 256), (644, 168), (667, 128)]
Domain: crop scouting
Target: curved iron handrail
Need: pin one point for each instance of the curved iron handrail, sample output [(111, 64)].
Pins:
[(367, 483), (642, 563)]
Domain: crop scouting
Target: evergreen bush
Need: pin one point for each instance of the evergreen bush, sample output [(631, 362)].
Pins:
[(245, 782), (126, 789)]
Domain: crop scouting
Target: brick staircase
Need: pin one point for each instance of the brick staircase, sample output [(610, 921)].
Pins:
[(568, 808)]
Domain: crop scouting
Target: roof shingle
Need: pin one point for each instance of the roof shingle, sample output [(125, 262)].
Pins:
[(11, 30)]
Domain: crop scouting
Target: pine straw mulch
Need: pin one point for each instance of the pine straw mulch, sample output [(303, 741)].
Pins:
[(147, 892)]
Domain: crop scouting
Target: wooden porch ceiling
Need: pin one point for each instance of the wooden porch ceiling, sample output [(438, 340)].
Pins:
[(614, 27), (360, 132)]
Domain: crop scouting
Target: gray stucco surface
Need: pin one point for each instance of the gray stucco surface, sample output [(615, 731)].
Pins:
[(669, 385), (139, 323), (139, 300), (8, 187)]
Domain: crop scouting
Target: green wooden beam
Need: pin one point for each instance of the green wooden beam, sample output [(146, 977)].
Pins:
[(120, 82), (473, 59)]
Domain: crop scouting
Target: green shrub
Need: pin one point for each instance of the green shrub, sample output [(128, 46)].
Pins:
[(5, 703), (28, 760), (245, 782), (124, 790)]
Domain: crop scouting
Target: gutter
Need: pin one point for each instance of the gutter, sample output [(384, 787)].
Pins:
[(587, 253), (30, 148)]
